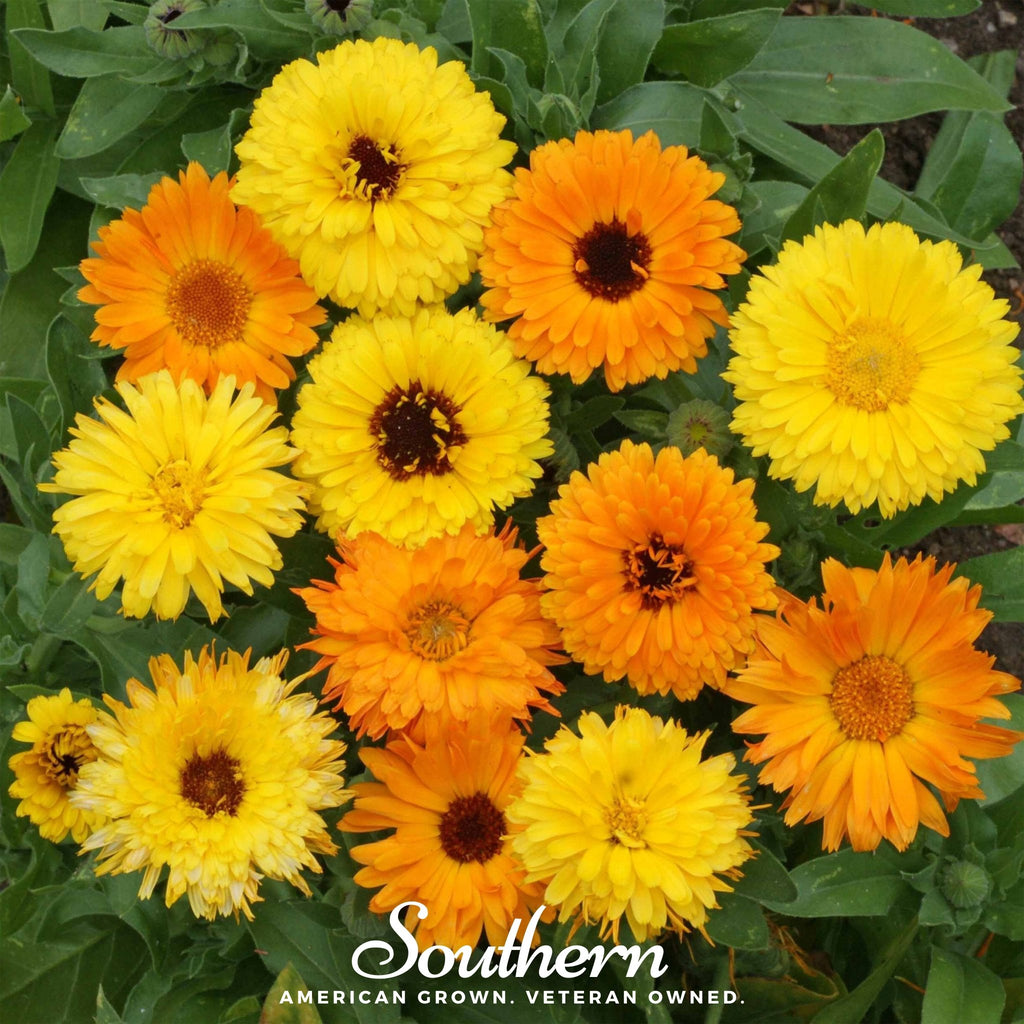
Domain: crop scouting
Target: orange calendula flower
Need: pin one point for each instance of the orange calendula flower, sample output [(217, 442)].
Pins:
[(445, 800), (654, 565), (609, 254), (192, 284), (438, 631), (872, 699), (46, 774)]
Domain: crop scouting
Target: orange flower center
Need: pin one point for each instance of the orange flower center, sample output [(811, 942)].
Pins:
[(872, 699), (213, 783), (627, 820), (416, 432), (66, 752), (437, 630), (377, 171), (871, 366), (179, 490), (611, 260), (660, 571), (208, 303), (471, 829)]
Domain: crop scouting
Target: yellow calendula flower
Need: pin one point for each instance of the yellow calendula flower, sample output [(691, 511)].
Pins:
[(376, 169), (627, 821), (444, 798), (654, 566), (45, 775), (873, 366), (872, 701), (218, 774), (194, 285), (413, 427), (610, 254), (181, 493)]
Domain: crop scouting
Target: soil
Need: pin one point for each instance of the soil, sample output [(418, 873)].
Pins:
[(995, 25)]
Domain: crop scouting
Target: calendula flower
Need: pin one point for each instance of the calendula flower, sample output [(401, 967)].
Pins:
[(376, 169), (414, 427), (191, 284), (654, 565), (217, 773), (873, 367), (872, 699), (440, 631), (178, 494), (610, 254), (46, 774), (445, 800), (626, 820)]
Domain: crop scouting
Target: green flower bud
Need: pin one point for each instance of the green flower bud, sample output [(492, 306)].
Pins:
[(700, 424), (340, 17), (964, 884), (167, 40)]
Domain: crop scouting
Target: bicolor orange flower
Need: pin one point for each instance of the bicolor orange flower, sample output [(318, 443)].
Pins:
[(195, 285), (872, 699), (654, 565), (445, 800), (610, 254), (436, 632)]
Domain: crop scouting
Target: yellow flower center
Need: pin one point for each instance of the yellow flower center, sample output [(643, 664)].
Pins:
[(376, 168), (416, 432), (437, 630), (871, 366), (872, 699), (208, 303), (611, 259), (213, 783), (626, 819), (660, 571), (179, 490), (471, 829), (65, 754)]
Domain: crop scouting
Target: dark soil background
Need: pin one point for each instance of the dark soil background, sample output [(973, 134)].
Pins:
[(995, 25)]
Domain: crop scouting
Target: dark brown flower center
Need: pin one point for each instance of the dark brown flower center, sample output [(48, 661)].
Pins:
[(660, 571), (338, 6), (416, 432), (379, 169), (213, 783), (471, 829), (611, 261), (66, 753)]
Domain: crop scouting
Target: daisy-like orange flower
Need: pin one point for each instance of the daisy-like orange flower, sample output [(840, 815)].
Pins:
[(610, 254), (435, 632), (445, 800), (654, 565), (195, 285), (873, 699)]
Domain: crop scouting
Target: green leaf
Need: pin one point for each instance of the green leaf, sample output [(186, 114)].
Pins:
[(960, 990), (106, 109), (765, 878), (842, 194), (1000, 574), (853, 1007), (846, 884), (12, 118), (738, 923), (709, 50), (121, 190), (74, 376), (628, 38), (594, 412), (926, 8), (276, 1012), (31, 81), (26, 186), (672, 110), (650, 423), (81, 53), (1002, 776), (513, 25), (973, 169), (213, 148), (265, 36), (105, 1013), (847, 70)]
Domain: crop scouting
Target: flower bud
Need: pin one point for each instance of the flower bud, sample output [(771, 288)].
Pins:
[(964, 884), (167, 40), (700, 424), (340, 17)]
